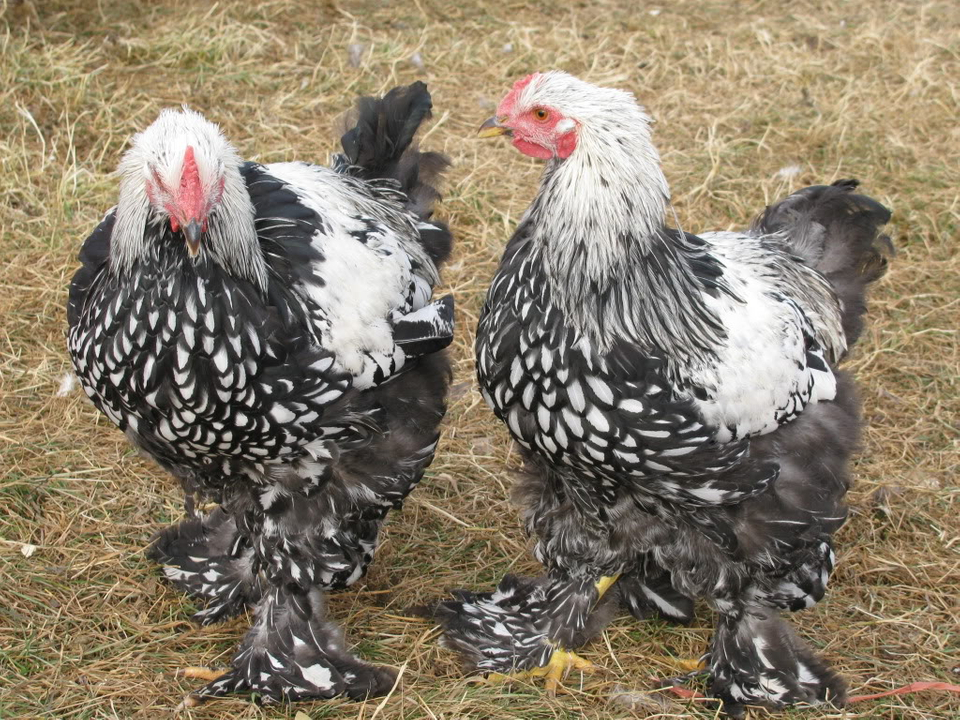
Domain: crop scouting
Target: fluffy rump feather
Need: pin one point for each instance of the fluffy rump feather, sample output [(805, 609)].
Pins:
[(837, 232), (385, 128)]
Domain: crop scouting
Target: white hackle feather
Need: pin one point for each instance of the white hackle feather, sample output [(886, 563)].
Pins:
[(231, 238), (610, 187)]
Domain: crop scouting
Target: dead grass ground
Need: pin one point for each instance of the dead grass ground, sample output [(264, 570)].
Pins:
[(741, 90)]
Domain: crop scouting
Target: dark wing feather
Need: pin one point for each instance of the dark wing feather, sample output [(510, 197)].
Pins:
[(93, 255), (426, 330)]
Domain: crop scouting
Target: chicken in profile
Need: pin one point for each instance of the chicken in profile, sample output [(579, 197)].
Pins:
[(267, 334), (677, 399)]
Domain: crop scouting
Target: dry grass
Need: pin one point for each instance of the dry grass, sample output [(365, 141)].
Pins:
[(836, 88)]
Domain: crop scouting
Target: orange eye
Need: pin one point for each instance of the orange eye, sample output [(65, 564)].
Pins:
[(541, 114)]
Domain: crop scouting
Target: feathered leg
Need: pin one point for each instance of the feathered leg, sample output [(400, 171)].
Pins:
[(209, 558), (528, 626), (755, 658), (648, 592), (292, 653), (315, 528)]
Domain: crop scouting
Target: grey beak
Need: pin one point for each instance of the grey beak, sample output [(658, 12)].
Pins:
[(493, 127), (191, 231)]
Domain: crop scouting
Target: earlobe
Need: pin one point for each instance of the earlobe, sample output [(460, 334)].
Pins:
[(567, 144)]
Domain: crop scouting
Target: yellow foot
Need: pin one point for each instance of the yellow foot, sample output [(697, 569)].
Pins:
[(192, 700), (559, 665), (189, 701), (690, 664), (201, 673), (604, 584)]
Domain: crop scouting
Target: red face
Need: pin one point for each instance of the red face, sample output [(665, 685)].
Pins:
[(187, 204), (538, 131)]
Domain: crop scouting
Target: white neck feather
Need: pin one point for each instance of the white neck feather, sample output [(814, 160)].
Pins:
[(613, 269), (596, 216), (231, 237), (609, 192)]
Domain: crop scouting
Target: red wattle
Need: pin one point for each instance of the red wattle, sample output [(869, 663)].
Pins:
[(532, 149)]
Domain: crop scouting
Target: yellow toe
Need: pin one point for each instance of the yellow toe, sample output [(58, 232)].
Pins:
[(201, 673), (689, 664), (189, 701), (553, 673), (604, 584)]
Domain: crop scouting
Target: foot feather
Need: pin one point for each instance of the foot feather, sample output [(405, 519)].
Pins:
[(757, 659), (207, 557), (291, 653), (649, 593), (520, 625)]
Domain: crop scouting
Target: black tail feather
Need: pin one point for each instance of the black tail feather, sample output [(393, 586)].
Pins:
[(837, 232), (380, 146), (385, 128)]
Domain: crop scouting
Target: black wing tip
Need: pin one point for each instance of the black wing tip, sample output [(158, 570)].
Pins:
[(427, 330), (93, 255)]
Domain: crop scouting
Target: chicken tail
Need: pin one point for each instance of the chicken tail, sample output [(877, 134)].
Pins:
[(838, 232), (380, 146)]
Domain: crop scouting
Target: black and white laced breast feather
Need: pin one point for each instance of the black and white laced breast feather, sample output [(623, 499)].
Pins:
[(198, 368), (611, 415)]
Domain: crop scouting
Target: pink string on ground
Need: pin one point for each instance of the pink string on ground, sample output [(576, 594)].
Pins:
[(688, 694), (911, 688)]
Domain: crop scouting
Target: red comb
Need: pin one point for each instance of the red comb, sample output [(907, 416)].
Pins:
[(520, 84), (506, 105), (190, 197)]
